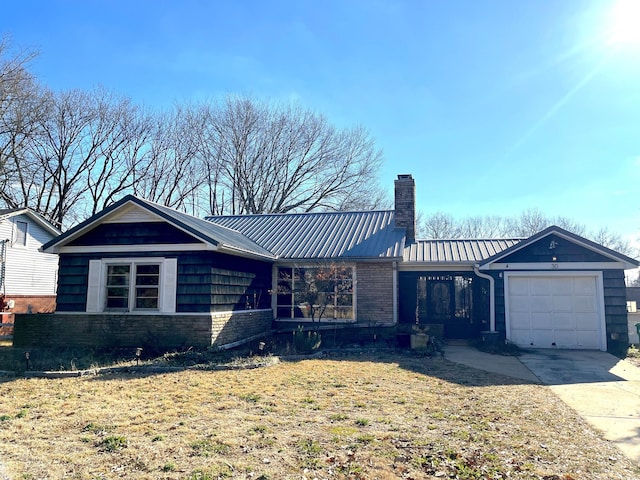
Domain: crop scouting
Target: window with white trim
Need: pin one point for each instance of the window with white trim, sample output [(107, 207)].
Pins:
[(132, 285), (20, 237)]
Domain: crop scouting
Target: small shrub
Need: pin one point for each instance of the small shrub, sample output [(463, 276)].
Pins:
[(169, 467), (310, 447), (362, 422), (633, 352), (259, 429), (113, 443), (223, 471), (4, 418), (206, 447), (250, 397), (306, 342), (337, 417), (95, 428)]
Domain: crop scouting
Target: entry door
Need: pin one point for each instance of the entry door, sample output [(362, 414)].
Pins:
[(447, 300), (439, 301)]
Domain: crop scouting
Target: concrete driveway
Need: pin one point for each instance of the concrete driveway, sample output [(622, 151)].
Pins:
[(603, 389)]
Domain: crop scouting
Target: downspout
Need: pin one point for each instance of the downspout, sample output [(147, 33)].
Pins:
[(492, 297)]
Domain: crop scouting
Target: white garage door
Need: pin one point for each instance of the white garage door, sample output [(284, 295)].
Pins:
[(555, 310)]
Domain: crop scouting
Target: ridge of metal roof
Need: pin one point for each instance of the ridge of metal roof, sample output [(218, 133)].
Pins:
[(462, 251), (321, 235)]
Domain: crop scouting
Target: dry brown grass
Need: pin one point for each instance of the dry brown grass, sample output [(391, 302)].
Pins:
[(366, 416)]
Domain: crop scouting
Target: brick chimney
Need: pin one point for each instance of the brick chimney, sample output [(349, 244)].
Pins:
[(405, 197)]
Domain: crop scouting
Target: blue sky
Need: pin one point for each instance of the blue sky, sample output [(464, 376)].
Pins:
[(494, 106)]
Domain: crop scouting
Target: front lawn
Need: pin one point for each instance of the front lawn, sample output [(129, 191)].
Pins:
[(368, 415)]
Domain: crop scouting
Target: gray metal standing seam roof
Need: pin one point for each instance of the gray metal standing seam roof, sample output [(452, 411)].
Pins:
[(226, 237), (455, 251), (321, 235)]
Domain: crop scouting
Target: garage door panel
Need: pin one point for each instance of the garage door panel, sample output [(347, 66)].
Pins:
[(540, 303), (562, 303), (520, 303), (584, 304), (587, 322), (587, 340), (565, 339), (539, 286), (560, 310), (519, 286), (563, 321), (520, 320), (541, 321), (584, 285), (521, 337), (542, 338)]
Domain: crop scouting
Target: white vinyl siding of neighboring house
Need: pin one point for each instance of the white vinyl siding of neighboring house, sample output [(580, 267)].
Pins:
[(27, 271)]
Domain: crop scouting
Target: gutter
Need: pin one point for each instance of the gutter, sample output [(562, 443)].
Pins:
[(492, 296)]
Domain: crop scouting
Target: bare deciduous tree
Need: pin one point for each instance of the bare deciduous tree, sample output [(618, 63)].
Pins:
[(23, 103), (442, 225), (266, 158), (169, 172)]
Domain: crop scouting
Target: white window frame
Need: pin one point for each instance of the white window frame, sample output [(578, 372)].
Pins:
[(16, 230), (97, 284)]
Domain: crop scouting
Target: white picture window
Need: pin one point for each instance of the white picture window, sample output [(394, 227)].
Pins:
[(132, 285), (21, 233)]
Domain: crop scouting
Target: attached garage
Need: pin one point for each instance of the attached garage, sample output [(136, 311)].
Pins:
[(555, 310), (556, 289)]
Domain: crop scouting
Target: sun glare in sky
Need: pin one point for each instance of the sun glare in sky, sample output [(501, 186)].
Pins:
[(624, 27)]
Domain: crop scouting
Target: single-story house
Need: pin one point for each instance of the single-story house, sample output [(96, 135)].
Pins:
[(140, 272)]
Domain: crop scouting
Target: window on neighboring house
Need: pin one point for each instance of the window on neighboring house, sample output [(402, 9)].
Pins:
[(132, 285), (21, 233), (320, 293)]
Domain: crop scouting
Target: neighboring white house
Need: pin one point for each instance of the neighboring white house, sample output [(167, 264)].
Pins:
[(28, 277)]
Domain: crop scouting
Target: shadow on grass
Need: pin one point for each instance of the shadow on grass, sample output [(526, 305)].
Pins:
[(104, 364)]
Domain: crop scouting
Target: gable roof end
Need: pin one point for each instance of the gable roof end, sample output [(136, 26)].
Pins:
[(572, 237), (220, 238), (36, 217)]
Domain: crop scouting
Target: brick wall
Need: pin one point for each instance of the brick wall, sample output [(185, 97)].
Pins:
[(405, 205), (33, 303), (375, 292), (151, 331)]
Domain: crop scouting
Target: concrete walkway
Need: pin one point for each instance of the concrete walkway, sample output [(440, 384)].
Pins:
[(603, 389)]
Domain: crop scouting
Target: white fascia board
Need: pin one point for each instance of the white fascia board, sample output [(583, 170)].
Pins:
[(237, 252), (160, 247), (155, 247), (435, 267), (554, 266)]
